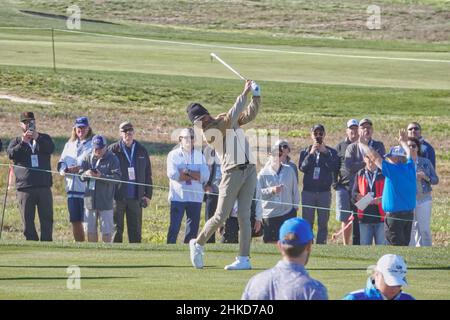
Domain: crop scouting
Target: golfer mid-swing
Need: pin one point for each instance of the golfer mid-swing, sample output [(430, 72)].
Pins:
[(238, 171)]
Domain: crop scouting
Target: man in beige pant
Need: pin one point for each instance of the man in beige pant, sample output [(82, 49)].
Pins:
[(223, 133)]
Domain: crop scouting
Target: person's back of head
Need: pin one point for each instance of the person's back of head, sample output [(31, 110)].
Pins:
[(295, 238)]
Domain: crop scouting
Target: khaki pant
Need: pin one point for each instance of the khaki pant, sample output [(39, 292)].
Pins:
[(237, 184)]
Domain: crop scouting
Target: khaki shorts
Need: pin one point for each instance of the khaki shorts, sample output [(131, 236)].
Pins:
[(91, 218)]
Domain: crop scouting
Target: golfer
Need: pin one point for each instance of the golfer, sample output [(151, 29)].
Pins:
[(288, 280), (238, 171)]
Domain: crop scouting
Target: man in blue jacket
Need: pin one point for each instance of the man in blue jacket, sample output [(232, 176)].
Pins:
[(399, 193), (319, 164), (389, 275)]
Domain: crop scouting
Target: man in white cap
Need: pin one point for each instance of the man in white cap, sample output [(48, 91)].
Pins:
[(386, 281)]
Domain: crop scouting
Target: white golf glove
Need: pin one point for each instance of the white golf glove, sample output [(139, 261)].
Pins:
[(256, 90)]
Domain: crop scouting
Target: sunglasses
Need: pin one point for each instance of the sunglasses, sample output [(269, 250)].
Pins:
[(318, 133), (128, 131), (285, 146), (414, 128)]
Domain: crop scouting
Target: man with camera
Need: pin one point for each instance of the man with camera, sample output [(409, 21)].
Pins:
[(319, 164), (130, 197), (31, 156)]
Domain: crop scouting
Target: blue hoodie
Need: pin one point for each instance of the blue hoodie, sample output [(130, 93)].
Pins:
[(372, 293)]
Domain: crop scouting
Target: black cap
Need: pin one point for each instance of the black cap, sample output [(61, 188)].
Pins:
[(318, 127), (196, 111), (26, 116)]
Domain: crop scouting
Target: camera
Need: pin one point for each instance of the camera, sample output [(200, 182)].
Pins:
[(31, 126), (143, 203), (319, 140)]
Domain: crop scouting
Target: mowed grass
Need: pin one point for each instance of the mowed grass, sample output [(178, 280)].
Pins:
[(38, 271), (275, 63)]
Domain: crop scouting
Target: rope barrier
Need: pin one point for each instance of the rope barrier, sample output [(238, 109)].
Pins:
[(199, 192)]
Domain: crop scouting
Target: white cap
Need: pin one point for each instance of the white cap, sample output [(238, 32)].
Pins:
[(352, 122), (393, 269)]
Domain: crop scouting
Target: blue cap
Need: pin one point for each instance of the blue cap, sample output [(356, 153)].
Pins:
[(81, 122), (396, 151), (98, 142), (300, 228)]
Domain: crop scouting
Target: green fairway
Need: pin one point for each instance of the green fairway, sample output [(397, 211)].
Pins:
[(426, 70), (31, 271)]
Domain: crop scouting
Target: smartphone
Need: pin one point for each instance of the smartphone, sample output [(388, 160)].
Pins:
[(319, 140), (31, 126), (94, 170)]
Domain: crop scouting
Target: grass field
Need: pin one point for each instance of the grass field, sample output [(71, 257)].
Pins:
[(317, 64), (30, 271)]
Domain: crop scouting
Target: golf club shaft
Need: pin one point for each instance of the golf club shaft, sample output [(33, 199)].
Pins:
[(227, 66)]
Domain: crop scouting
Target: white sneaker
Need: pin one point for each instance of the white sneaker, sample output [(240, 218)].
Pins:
[(241, 263), (196, 254)]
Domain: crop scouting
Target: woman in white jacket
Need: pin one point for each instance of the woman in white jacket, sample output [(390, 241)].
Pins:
[(79, 144)]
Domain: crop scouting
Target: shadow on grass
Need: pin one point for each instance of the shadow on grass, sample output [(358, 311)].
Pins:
[(62, 278), (99, 267)]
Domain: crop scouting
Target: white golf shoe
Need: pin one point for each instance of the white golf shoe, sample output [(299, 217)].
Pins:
[(241, 263), (196, 254)]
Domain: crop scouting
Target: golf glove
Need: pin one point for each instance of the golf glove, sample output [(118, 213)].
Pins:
[(256, 91)]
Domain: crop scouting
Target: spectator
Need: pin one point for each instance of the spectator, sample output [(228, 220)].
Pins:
[(78, 146), (224, 134), (319, 163), (31, 154), (426, 149), (354, 160), (288, 280), (425, 177), (344, 206), (370, 180), (187, 171), (101, 170), (386, 281), (135, 193), (399, 193), (279, 192), (212, 186), (285, 151), (230, 231)]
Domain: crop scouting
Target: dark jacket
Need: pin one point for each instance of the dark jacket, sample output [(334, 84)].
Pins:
[(427, 151), (354, 158), (20, 152), (102, 197), (329, 166), (143, 171), (373, 213), (343, 177)]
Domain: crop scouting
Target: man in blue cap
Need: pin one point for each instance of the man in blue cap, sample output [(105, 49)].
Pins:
[(288, 280)]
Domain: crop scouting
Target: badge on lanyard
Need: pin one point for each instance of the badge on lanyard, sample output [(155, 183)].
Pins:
[(316, 173), (91, 184), (34, 161), (131, 174)]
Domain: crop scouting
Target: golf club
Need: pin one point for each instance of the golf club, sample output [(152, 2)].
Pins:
[(4, 201), (214, 56)]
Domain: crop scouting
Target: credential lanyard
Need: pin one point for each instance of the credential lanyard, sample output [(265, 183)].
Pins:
[(371, 182), (130, 159)]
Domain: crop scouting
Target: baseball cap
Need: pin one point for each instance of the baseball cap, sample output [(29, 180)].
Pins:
[(98, 142), (278, 146), (81, 122), (300, 228), (396, 151), (125, 126), (352, 122), (26, 116), (365, 120), (196, 112), (318, 127), (393, 268)]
